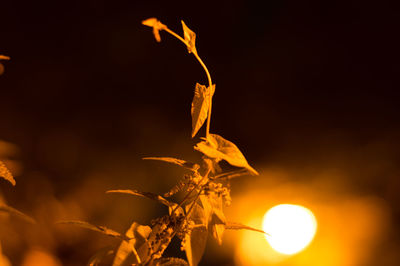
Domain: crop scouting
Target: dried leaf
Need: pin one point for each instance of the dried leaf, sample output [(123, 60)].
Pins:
[(99, 256), (188, 165), (238, 226), (127, 252), (200, 106), (156, 25), (196, 244), (171, 262), (16, 213), (6, 174), (190, 38), (148, 195), (101, 229), (221, 149)]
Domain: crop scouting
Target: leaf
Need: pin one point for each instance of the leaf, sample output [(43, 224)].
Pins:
[(4, 57), (176, 209), (127, 252), (17, 213), (171, 262), (221, 149), (230, 175), (148, 195), (6, 174), (197, 214), (190, 38), (151, 22), (217, 231), (97, 258), (196, 245), (238, 226), (188, 165), (200, 106), (156, 25), (97, 228), (212, 204)]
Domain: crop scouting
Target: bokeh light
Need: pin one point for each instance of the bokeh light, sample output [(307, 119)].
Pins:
[(290, 227)]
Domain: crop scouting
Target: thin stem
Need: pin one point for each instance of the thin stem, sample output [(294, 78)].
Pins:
[(205, 69)]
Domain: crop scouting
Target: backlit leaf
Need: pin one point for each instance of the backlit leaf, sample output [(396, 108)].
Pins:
[(17, 213), (232, 174), (196, 244), (156, 25), (100, 255), (217, 231), (6, 174), (148, 195), (190, 38), (221, 149), (200, 106), (127, 252), (171, 262), (197, 214), (183, 163), (97, 228), (212, 204), (238, 226), (175, 209)]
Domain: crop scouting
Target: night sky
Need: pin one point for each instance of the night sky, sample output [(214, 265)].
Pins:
[(300, 84)]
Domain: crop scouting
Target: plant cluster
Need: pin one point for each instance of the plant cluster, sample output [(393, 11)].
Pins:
[(205, 188)]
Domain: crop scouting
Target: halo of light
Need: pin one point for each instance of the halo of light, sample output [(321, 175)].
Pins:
[(291, 228)]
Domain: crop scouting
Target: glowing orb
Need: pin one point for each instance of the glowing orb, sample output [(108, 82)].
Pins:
[(290, 227)]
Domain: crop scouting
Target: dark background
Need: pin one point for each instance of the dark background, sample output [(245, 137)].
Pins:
[(299, 84)]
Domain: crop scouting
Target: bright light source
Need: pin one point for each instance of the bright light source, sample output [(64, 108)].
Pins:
[(291, 228)]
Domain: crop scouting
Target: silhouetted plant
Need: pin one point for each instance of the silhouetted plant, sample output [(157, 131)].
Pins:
[(205, 187)]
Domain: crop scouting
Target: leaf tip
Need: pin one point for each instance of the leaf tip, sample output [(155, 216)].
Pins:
[(6, 174)]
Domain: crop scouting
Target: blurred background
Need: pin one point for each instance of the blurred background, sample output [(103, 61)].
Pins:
[(308, 90)]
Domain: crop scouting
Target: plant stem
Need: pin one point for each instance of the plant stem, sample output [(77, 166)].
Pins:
[(207, 73)]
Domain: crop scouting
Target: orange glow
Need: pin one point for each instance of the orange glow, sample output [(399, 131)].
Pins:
[(350, 227), (291, 228)]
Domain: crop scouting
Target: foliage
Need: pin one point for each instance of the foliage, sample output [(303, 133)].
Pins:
[(3, 57), (205, 188)]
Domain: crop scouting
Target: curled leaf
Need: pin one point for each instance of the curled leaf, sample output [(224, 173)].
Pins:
[(188, 165), (218, 148), (148, 195), (156, 25), (17, 213), (200, 106), (97, 228), (6, 174), (238, 226), (190, 38)]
